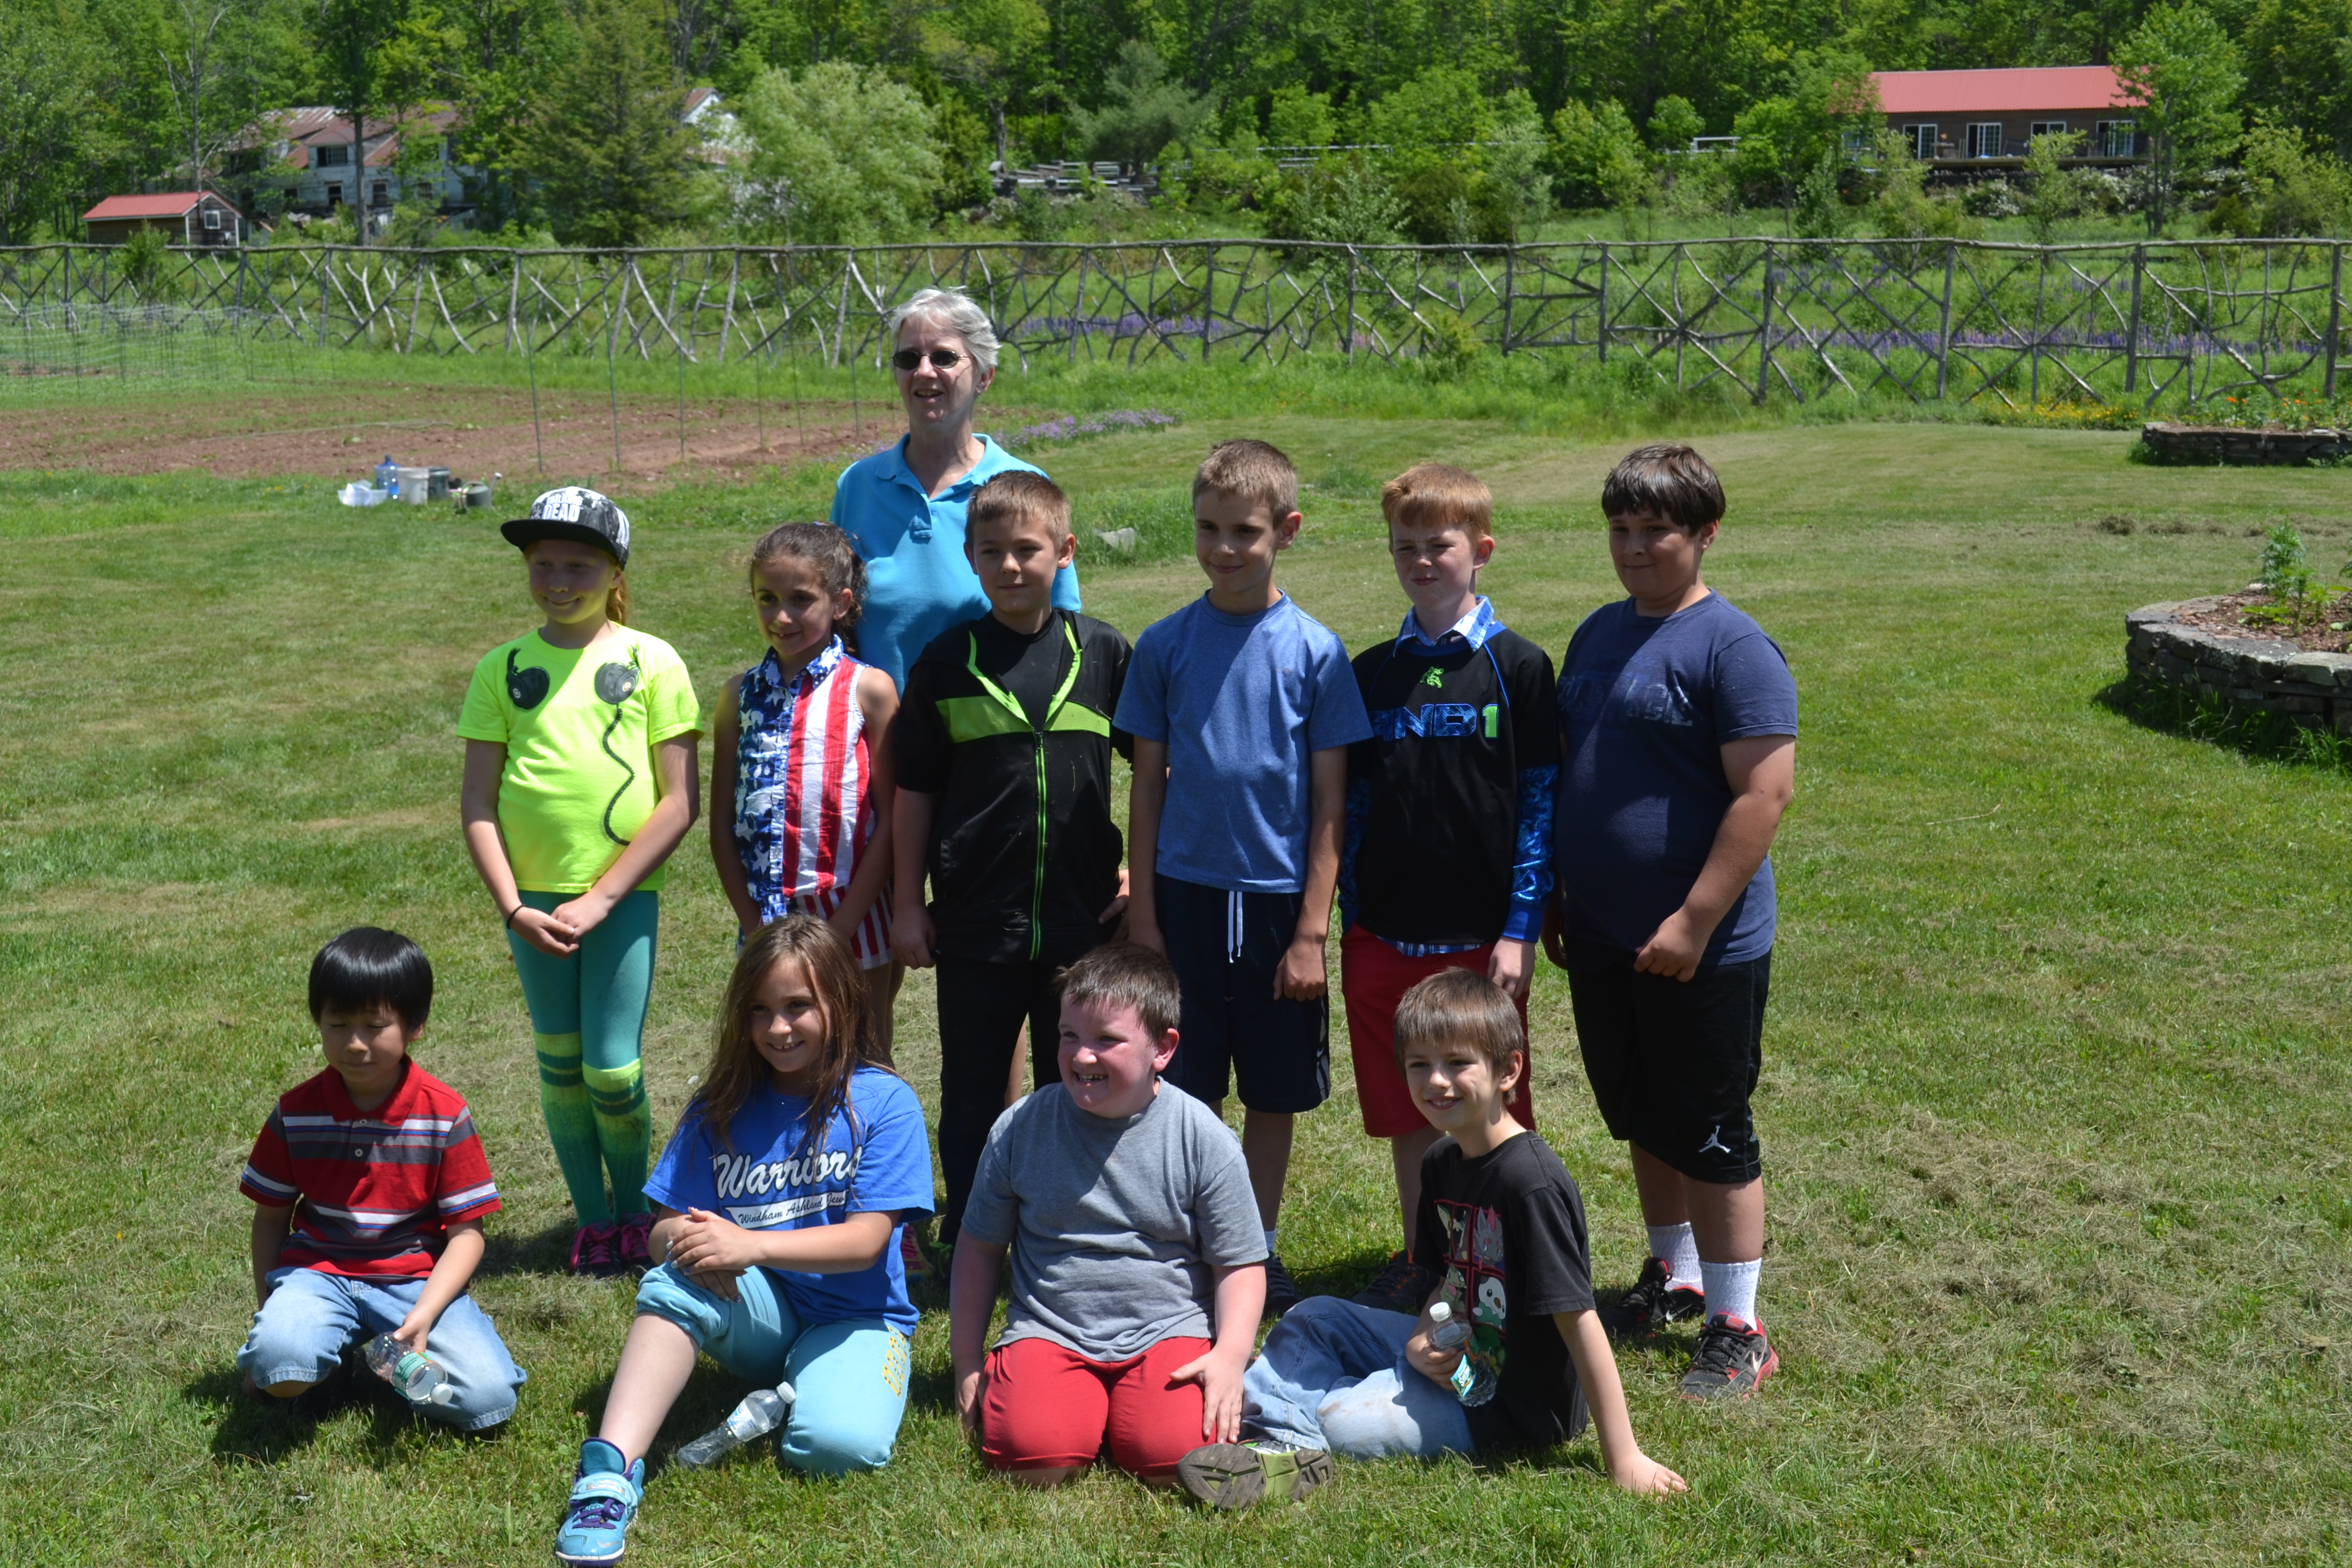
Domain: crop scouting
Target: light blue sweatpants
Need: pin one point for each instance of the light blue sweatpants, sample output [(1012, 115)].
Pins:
[(850, 1375)]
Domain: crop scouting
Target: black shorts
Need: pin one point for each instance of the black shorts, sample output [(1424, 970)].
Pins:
[(1671, 1063), (1225, 947)]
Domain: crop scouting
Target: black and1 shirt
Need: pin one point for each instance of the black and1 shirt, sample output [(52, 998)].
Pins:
[(1506, 1233), (1449, 819)]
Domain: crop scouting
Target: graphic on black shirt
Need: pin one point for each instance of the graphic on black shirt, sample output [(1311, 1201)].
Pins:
[(1474, 1284), (1505, 1233)]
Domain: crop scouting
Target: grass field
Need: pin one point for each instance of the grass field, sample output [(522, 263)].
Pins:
[(2056, 1104)]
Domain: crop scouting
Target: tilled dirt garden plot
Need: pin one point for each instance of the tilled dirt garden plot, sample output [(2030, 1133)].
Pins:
[(342, 432)]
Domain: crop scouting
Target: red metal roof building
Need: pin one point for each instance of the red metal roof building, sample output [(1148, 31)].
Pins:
[(1973, 117), (185, 218)]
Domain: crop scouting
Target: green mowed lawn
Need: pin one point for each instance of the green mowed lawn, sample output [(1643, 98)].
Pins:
[(2057, 1109)]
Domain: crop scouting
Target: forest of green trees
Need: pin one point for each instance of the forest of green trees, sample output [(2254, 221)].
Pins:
[(866, 120)]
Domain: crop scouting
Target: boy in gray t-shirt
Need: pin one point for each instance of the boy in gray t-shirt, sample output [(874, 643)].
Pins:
[(1137, 1260)]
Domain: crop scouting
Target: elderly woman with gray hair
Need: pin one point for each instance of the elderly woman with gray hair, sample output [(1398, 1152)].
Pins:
[(903, 508)]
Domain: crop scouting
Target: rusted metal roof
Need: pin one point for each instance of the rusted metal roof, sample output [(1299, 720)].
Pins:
[(2021, 91)]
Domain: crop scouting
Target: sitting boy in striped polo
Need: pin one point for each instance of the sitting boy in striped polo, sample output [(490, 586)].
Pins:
[(370, 1189)]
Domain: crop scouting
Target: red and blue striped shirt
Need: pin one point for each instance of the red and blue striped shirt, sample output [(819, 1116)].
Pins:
[(373, 1192)]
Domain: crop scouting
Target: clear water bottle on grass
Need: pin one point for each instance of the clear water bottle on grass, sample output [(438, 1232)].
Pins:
[(1472, 1380), (761, 1412), (418, 1377)]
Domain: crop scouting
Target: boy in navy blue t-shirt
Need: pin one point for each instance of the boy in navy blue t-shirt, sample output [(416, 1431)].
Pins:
[(1678, 717), (1243, 708)]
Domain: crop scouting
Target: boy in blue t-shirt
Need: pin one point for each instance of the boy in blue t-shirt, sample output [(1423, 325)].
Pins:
[(1243, 708), (1678, 717)]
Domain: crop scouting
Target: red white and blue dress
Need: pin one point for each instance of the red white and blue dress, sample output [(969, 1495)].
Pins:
[(803, 800)]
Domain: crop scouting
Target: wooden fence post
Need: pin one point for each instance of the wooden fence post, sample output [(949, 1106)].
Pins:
[(1944, 324), (2334, 318), (1347, 337), (1510, 255), (1208, 297), (2040, 288), (1764, 332), (1601, 328), (2131, 332)]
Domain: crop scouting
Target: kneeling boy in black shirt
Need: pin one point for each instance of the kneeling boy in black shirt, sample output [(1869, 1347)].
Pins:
[(1502, 1226)]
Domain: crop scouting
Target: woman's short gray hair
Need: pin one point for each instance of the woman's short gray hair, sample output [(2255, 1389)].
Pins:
[(954, 309)]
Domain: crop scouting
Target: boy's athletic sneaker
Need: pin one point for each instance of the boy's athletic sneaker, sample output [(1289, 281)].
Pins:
[(1402, 1287), (1236, 1475), (603, 1500), (1653, 1302), (1733, 1360), (1282, 1292)]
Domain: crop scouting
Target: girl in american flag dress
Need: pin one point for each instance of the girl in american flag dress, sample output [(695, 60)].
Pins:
[(801, 776)]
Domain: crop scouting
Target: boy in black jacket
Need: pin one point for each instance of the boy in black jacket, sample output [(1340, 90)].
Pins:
[(1002, 745), (1446, 859)]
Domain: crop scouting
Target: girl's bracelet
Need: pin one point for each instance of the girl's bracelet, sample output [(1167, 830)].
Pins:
[(512, 912)]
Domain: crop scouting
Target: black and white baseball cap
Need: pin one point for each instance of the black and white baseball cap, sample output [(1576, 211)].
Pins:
[(576, 513)]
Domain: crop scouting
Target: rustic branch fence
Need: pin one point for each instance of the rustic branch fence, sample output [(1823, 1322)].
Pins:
[(2139, 325)]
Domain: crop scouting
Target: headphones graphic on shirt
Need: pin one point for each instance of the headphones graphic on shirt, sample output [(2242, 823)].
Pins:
[(616, 683)]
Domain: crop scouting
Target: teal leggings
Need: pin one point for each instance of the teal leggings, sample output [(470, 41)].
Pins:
[(588, 1017)]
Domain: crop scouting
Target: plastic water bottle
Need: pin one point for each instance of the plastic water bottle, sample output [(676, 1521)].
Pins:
[(418, 1377), (761, 1412), (387, 476), (1474, 1380)]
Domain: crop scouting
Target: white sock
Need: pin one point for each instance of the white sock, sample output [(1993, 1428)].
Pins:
[(1269, 1237), (1731, 1290), (1674, 1246)]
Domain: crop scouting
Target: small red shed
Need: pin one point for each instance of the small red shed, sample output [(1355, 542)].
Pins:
[(186, 218)]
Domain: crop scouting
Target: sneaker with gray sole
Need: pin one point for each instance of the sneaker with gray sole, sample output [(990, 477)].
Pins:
[(1236, 1475), (1733, 1361)]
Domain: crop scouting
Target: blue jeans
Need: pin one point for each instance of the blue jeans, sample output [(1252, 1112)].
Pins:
[(299, 1333), (1333, 1377), (850, 1375)]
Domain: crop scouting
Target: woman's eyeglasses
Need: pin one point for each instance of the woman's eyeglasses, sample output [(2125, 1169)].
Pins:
[(941, 359)]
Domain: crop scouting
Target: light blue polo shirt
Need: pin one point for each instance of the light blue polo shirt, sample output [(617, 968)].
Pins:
[(917, 583)]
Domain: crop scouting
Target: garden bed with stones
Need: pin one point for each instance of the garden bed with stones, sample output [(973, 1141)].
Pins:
[(2200, 649), (2227, 444)]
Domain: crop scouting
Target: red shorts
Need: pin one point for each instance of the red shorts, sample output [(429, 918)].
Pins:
[(1044, 1406), (1374, 977)]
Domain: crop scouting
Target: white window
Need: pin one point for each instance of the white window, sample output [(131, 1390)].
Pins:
[(212, 219), (2116, 139), (2041, 128), (1922, 139), (332, 157), (1984, 139)]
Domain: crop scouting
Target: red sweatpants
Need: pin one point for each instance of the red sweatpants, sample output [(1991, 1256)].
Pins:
[(1045, 1405)]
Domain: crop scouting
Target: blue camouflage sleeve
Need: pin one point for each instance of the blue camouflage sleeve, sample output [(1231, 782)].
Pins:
[(1531, 863)]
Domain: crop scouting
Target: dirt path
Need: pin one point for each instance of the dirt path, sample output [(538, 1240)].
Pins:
[(340, 433)]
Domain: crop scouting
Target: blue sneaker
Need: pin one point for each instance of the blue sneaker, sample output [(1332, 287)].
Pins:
[(603, 1500)]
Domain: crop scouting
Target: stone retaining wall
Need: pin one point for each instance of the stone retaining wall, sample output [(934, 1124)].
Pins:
[(2261, 674), (2209, 443)]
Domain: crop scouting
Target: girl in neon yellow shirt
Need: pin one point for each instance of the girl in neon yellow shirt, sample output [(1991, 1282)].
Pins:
[(580, 780)]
